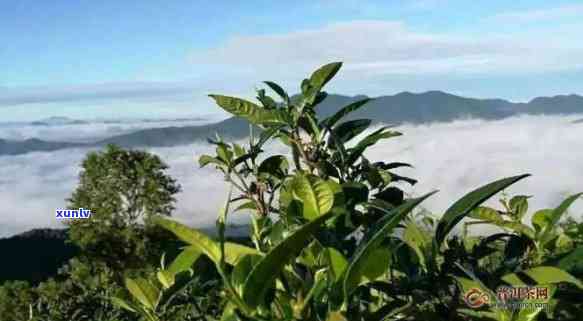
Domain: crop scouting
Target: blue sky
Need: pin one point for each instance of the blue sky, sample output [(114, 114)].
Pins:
[(87, 59)]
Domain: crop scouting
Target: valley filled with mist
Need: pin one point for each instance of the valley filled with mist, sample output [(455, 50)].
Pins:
[(452, 151)]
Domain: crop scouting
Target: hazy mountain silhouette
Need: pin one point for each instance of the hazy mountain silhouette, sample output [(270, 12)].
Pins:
[(172, 136), (35, 255), (58, 121), (8, 147), (405, 107)]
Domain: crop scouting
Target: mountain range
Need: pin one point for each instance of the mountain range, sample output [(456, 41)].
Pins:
[(405, 107), (58, 121), (35, 255)]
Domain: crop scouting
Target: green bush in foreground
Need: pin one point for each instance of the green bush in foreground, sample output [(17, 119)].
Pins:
[(335, 238)]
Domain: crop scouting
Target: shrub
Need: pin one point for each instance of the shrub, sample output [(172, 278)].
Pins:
[(123, 189)]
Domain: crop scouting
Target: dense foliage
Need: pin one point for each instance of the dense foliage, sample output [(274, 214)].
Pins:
[(333, 237), (123, 189), (333, 234)]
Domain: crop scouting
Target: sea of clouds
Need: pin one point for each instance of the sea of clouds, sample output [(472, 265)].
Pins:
[(452, 157), (90, 132)]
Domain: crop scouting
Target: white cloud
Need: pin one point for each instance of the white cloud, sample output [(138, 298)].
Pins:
[(561, 12), (90, 132), (137, 90), (459, 156), (452, 157), (392, 48)]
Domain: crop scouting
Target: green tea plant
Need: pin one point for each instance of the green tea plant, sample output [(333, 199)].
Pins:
[(527, 245), (333, 234)]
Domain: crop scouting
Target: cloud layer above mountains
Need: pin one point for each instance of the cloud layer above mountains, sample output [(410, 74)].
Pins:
[(452, 157)]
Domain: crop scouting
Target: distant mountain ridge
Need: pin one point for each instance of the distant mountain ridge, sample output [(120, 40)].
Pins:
[(405, 107), (35, 255), (8, 147), (58, 121)]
